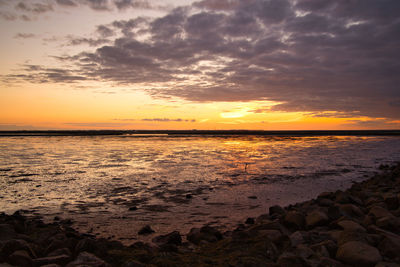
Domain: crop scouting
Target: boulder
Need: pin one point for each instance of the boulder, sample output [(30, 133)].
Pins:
[(316, 218), (276, 210), (289, 259), (379, 212), (206, 233), (20, 258), (7, 232), (17, 244), (294, 219), (173, 238), (351, 211), (146, 230), (392, 201), (296, 238), (88, 260), (349, 225), (358, 253), (59, 259)]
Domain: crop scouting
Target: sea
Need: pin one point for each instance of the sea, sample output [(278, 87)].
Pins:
[(112, 185)]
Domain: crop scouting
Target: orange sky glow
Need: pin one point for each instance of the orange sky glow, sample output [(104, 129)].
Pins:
[(161, 66)]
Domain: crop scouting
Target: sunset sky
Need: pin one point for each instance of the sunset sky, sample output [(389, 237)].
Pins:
[(210, 64)]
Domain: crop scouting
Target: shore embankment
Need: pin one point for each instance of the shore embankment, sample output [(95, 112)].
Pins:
[(356, 227)]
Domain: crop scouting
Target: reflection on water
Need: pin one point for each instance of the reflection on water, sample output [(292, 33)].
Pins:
[(115, 184)]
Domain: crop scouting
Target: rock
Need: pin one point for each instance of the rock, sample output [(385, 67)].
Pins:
[(347, 236), (325, 202), (7, 232), (276, 210), (358, 253), (326, 195), (316, 218), (304, 251), (59, 259), (133, 208), (85, 244), (289, 259), (351, 226), (252, 197), (188, 196), (392, 201), (294, 219), (173, 238), (351, 211), (296, 238), (390, 246), (386, 264), (379, 212), (325, 246), (133, 263), (249, 221), (51, 265), (146, 230), (206, 233), (88, 260), (20, 258), (273, 235), (328, 262), (17, 244), (390, 223), (60, 251)]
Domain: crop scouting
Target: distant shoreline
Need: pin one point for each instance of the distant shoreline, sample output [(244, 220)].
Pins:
[(293, 133)]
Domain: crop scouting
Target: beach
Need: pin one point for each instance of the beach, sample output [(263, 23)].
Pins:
[(358, 226)]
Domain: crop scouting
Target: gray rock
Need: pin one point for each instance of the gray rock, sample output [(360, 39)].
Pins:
[(358, 253)]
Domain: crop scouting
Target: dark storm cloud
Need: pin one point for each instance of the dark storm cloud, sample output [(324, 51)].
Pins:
[(309, 55)]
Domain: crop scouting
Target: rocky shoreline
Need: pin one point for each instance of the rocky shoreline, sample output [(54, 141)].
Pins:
[(359, 226)]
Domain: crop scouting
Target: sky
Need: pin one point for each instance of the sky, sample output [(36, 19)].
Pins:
[(200, 64)]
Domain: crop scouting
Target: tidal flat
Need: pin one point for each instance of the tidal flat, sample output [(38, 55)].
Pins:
[(112, 186)]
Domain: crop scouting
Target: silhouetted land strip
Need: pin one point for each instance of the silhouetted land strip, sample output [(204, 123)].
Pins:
[(203, 133), (356, 227)]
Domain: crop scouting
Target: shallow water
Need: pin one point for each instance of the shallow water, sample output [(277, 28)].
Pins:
[(176, 183)]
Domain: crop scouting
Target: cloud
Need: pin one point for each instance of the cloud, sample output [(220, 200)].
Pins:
[(169, 120), (24, 35), (68, 3), (36, 8), (308, 55), (97, 124)]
